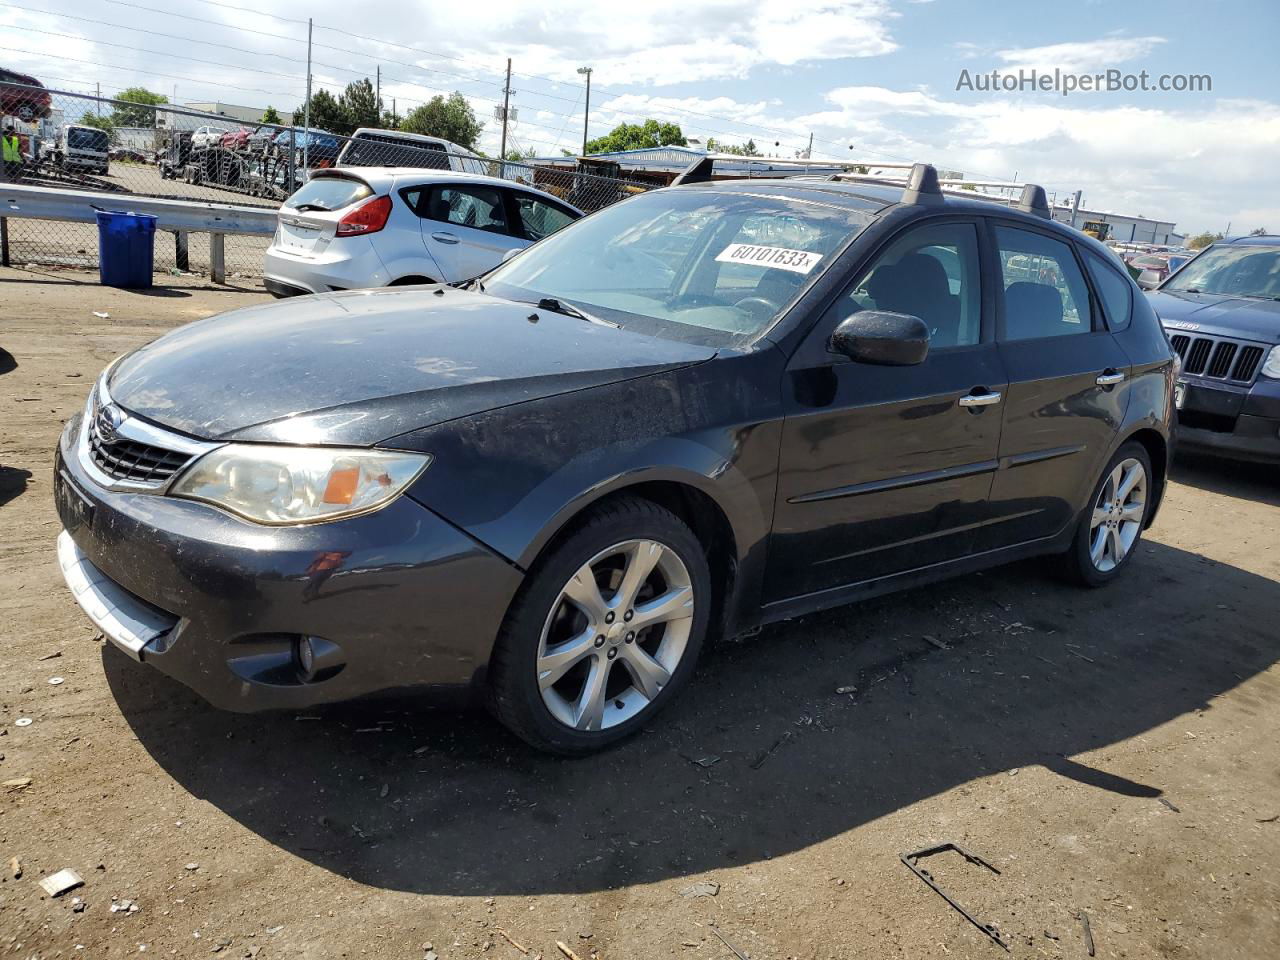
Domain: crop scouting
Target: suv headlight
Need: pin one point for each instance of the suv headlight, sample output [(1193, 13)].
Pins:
[(281, 485), (1272, 366)]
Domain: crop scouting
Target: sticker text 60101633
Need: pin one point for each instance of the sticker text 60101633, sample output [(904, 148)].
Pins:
[(779, 258)]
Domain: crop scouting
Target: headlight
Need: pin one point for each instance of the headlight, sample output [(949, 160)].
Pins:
[(270, 484), (1272, 367)]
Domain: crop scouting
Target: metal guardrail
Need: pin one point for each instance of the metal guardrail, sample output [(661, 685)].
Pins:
[(179, 217)]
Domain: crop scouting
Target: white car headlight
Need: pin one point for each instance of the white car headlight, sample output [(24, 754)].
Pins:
[(1272, 366), (281, 485)]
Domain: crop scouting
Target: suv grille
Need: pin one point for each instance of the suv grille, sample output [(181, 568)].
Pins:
[(1216, 358), (123, 459)]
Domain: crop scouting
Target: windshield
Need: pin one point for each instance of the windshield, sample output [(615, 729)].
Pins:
[(688, 264), (79, 138), (1247, 270)]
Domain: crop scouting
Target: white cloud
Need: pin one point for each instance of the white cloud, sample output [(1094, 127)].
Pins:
[(1082, 57)]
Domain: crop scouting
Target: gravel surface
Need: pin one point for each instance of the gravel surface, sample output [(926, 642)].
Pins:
[(1113, 752)]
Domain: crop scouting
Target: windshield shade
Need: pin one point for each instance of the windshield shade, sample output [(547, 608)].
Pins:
[(707, 266), (1247, 270)]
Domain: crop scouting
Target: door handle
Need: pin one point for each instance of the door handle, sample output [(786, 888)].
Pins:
[(980, 399), (1108, 377), (444, 237)]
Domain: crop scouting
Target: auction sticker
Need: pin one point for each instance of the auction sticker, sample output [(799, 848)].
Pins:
[(779, 258)]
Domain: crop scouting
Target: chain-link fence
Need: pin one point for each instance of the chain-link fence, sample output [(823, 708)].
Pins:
[(72, 141)]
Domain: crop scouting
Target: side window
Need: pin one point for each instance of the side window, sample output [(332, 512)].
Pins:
[(1116, 291), (930, 272), (1044, 291), (539, 218), (480, 208)]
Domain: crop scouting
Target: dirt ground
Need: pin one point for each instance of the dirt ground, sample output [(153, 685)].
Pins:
[(1113, 752)]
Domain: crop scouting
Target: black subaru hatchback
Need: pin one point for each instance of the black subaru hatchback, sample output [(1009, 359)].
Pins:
[(700, 410)]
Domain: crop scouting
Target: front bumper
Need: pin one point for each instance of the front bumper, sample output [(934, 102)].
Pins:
[(1242, 423), (216, 602)]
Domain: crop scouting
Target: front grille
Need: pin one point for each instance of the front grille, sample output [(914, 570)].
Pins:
[(123, 459), (1217, 358)]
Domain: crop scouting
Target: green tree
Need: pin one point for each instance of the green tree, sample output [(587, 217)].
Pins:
[(141, 115), (271, 115), (326, 114), (390, 120), (99, 122), (1203, 240), (519, 156), (360, 104), (634, 136), (453, 119), (747, 149), (1259, 232)]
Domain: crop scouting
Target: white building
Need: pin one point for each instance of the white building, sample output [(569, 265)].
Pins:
[(1123, 228)]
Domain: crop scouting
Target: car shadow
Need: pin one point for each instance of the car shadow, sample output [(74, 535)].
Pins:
[(1259, 482), (759, 758), (7, 362), (13, 483)]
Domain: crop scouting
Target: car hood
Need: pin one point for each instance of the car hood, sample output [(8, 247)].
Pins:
[(1212, 313), (359, 367)]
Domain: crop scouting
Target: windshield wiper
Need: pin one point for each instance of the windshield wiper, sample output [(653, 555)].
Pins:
[(304, 207), (569, 310)]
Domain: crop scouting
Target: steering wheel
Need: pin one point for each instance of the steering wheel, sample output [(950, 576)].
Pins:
[(757, 306)]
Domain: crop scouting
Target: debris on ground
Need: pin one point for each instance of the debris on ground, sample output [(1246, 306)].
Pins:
[(710, 760), (759, 761), (519, 946), (77, 905), (704, 888), (192, 866), (56, 884), (564, 948), (1088, 931), (1270, 819), (55, 681), (721, 937), (935, 641), (17, 783), (843, 690), (102, 315), (22, 722), (1169, 804), (124, 906), (51, 656), (912, 861), (15, 868)]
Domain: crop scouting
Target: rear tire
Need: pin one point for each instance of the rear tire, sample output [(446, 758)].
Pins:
[(574, 674), (1109, 531)]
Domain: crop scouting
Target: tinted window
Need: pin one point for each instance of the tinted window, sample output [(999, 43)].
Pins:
[(539, 218), (1044, 291), (930, 272), (81, 139), (328, 193), (1116, 291), (480, 208)]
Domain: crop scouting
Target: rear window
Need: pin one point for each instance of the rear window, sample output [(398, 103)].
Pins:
[(1152, 263), (375, 150), (328, 193)]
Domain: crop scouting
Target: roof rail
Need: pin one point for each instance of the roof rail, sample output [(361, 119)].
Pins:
[(923, 185), (700, 171)]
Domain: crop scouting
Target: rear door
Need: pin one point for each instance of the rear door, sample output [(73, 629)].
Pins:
[(887, 469), (1068, 385), (467, 228)]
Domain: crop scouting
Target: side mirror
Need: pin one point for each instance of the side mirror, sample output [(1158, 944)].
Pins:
[(881, 337)]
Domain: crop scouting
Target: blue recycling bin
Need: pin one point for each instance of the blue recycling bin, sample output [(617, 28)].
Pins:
[(126, 249)]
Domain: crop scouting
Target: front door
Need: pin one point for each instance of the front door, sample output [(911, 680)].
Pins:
[(887, 469), (1068, 387), (466, 229)]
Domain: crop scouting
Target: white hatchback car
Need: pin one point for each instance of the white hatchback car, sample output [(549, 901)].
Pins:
[(354, 227)]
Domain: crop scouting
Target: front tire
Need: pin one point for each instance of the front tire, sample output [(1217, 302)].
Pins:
[(605, 631), (1110, 529)]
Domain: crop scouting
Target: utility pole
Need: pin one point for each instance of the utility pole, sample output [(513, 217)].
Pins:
[(586, 111), (306, 109), (97, 87), (377, 97), (506, 112), (808, 153)]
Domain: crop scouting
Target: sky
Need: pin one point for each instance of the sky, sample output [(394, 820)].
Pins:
[(871, 80)]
